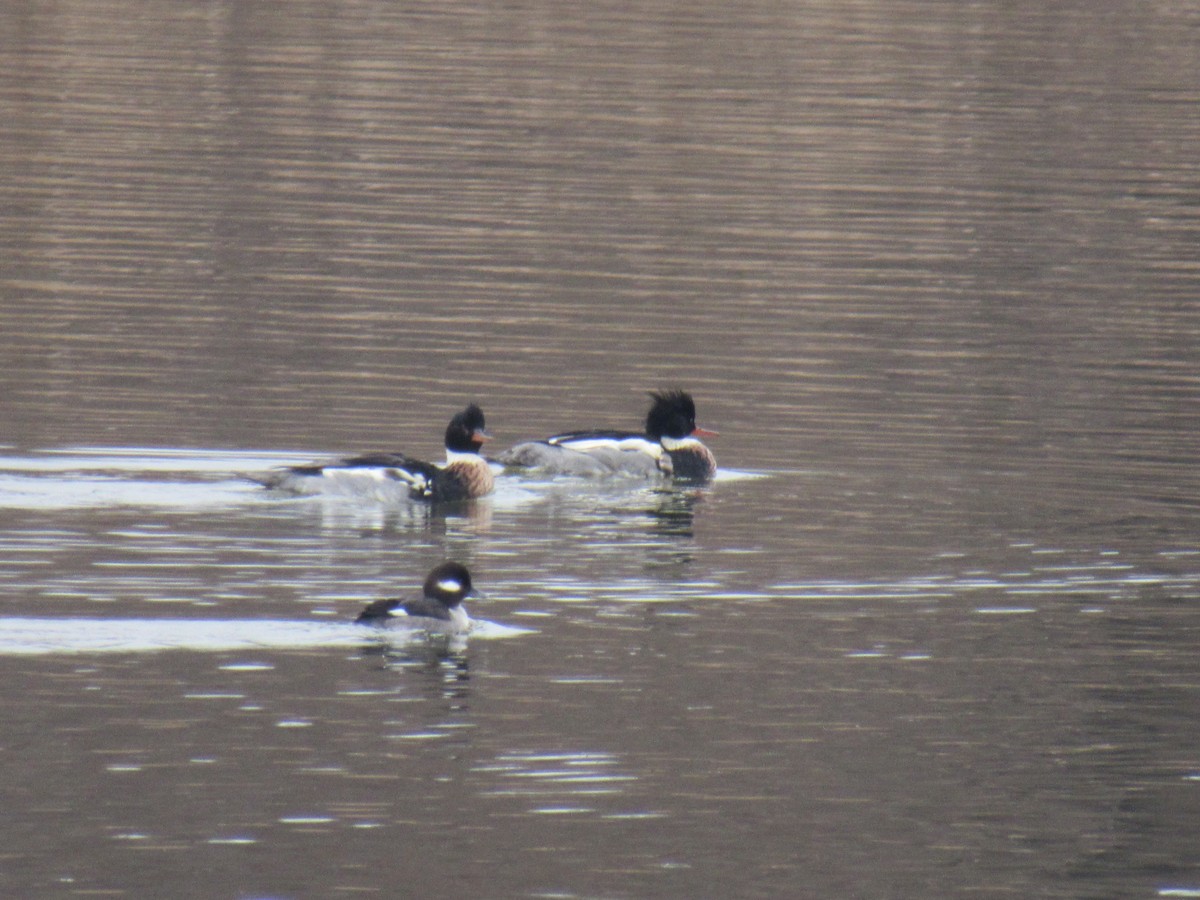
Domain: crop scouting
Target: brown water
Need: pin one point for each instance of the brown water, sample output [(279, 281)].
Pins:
[(931, 269)]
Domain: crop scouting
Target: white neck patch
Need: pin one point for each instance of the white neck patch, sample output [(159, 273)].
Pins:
[(453, 456), (679, 443)]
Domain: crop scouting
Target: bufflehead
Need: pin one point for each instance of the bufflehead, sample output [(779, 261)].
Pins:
[(439, 605)]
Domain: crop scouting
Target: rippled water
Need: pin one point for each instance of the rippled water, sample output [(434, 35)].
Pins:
[(931, 271)]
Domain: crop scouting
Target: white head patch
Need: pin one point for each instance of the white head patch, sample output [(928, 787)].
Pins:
[(450, 585)]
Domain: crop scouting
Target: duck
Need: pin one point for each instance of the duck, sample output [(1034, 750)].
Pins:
[(465, 475), (670, 446), (439, 606)]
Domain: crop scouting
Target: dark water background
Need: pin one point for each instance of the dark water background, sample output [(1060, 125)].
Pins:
[(930, 268)]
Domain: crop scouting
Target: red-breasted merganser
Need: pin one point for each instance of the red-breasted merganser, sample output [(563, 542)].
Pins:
[(465, 475), (439, 606), (669, 446)]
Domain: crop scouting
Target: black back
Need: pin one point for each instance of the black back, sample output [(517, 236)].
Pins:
[(378, 460), (378, 611), (594, 434)]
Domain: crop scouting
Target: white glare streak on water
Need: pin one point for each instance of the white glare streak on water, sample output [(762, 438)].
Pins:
[(34, 636)]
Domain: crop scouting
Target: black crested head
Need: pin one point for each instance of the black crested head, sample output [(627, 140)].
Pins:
[(672, 415), (466, 431), (448, 584)]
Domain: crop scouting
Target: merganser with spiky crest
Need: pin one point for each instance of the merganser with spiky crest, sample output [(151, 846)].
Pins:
[(670, 446), (464, 476), (439, 607)]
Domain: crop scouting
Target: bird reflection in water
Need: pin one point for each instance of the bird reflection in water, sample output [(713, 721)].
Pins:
[(674, 512), (440, 658), (338, 514)]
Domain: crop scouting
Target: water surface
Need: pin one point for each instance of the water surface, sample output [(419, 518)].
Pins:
[(930, 270)]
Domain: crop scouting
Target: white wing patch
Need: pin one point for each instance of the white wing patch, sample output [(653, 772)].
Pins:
[(418, 481)]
